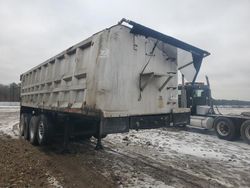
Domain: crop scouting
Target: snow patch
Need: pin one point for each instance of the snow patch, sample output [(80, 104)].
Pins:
[(164, 145), (9, 121), (53, 182), (9, 104), (146, 182)]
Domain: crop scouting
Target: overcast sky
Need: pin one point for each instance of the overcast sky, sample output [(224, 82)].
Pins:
[(32, 31)]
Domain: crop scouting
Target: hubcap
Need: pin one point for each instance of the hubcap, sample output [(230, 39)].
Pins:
[(223, 128), (247, 132), (41, 130)]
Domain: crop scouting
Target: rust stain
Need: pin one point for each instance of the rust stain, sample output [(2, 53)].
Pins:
[(160, 102)]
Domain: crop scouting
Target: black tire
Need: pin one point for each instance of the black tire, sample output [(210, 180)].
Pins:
[(27, 118), (21, 125), (45, 130), (33, 129), (245, 131), (225, 128)]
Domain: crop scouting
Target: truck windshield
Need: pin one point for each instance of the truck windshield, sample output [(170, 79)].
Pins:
[(199, 93)]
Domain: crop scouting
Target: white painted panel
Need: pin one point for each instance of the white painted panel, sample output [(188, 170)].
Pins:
[(104, 75)]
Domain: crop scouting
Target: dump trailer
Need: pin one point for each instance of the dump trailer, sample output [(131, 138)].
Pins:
[(123, 77), (205, 115)]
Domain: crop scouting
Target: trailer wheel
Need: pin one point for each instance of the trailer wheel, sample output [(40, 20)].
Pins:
[(27, 118), (33, 129), (45, 130), (224, 128), (245, 131), (21, 124)]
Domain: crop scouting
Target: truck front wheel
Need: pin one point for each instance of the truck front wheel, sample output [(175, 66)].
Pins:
[(245, 131), (224, 128)]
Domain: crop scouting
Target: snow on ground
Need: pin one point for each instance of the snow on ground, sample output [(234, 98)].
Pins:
[(189, 151), (146, 182), (9, 104), (197, 153), (229, 110), (53, 182), (9, 120), (175, 143)]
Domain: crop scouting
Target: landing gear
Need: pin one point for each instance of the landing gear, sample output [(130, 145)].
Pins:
[(99, 137), (99, 144)]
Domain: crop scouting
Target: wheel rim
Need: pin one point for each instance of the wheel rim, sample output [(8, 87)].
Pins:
[(223, 129), (21, 126), (41, 130), (247, 132), (31, 131)]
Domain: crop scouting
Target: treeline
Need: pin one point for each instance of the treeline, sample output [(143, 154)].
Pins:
[(10, 93), (231, 102)]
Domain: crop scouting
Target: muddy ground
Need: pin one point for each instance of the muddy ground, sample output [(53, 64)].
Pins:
[(149, 158)]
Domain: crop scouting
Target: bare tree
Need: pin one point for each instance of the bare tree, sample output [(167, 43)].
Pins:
[(10, 92)]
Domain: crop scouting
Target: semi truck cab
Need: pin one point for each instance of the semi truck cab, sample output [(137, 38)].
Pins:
[(197, 97), (197, 94)]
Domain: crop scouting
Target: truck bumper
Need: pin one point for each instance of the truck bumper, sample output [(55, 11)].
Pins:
[(123, 124)]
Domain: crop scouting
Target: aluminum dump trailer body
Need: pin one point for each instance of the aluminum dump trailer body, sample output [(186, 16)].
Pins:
[(125, 80)]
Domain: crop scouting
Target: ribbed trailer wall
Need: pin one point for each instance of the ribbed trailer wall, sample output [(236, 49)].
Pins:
[(58, 83)]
